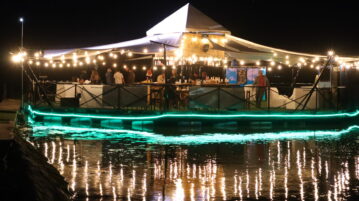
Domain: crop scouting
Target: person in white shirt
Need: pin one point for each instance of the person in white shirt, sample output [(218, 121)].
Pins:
[(161, 78), (119, 79)]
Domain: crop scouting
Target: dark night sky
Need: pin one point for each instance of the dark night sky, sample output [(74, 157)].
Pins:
[(306, 26)]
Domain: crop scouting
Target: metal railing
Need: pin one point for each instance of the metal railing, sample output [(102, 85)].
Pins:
[(184, 97)]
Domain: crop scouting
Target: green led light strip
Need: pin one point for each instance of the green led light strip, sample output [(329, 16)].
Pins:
[(199, 116), (190, 139)]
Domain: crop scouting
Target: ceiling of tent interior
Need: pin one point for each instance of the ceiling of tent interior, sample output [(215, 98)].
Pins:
[(187, 26)]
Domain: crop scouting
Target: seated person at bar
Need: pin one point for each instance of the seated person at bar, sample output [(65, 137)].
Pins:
[(118, 76), (161, 78), (131, 77), (204, 75), (194, 77), (83, 77), (95, 77), (109, 76)]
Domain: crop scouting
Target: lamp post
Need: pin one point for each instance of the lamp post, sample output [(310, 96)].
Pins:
[(22, 62)]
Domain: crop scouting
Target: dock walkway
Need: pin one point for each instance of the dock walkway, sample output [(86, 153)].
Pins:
[(8, 109)]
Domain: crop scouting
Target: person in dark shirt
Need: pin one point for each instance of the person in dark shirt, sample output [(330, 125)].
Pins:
[(109, 76), (131, 77)]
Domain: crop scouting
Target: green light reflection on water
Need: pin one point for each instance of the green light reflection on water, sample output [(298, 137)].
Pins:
[(201, 116), (80, 133)]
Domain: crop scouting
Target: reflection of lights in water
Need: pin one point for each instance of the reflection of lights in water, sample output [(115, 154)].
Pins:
[(271, 185), (304, 157), (192, 192), (357, 167), (314, 179), (98, 133), (247, 183), (110, 172), (326, 170), (59, 161), (286, 179), (114, 195), (260, 181), (101, 190), (46, 150), (256, 187), (144, 186), (74, 152), (74, 174), (329, 196), (194, 169), (53, 144), (68, 153), (235, 185), (179, 192), (86, 179), (288, 150), (240, 188), (133, 184), (320, 164), (278, 154), (299, 167)]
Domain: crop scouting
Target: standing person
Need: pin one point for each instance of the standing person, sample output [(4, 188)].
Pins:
[(161, 78), (131, 76), (261, 82), (95, 77), (109, 76), (149, 74), (83, 77), (118, 76)]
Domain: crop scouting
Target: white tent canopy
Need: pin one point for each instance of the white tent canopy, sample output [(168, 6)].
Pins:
[(190, 20)]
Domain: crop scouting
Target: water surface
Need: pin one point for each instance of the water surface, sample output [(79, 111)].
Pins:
[(120, 164)]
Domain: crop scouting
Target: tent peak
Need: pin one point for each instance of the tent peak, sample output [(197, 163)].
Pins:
[(187, 19)]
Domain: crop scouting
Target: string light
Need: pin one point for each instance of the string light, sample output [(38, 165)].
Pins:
[(272, 63), (134, 67), (279, 67), (125, 66), (115, 56), (104, 63), (242, 62), (275, 54), (114, 65), (68, 65), (270, 69), (54, 65), (204, 40), (37, 63), (258, 63), (122, 52), (130, 54), (330, 53), (224, 40), (81, 63), (30, 62), (143, 67), (145, 50), (60, 65), (46, 64)]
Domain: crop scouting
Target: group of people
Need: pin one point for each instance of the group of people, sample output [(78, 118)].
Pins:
[(116, 77)]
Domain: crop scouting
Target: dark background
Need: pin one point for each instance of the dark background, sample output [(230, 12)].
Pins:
[(305, 26)]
